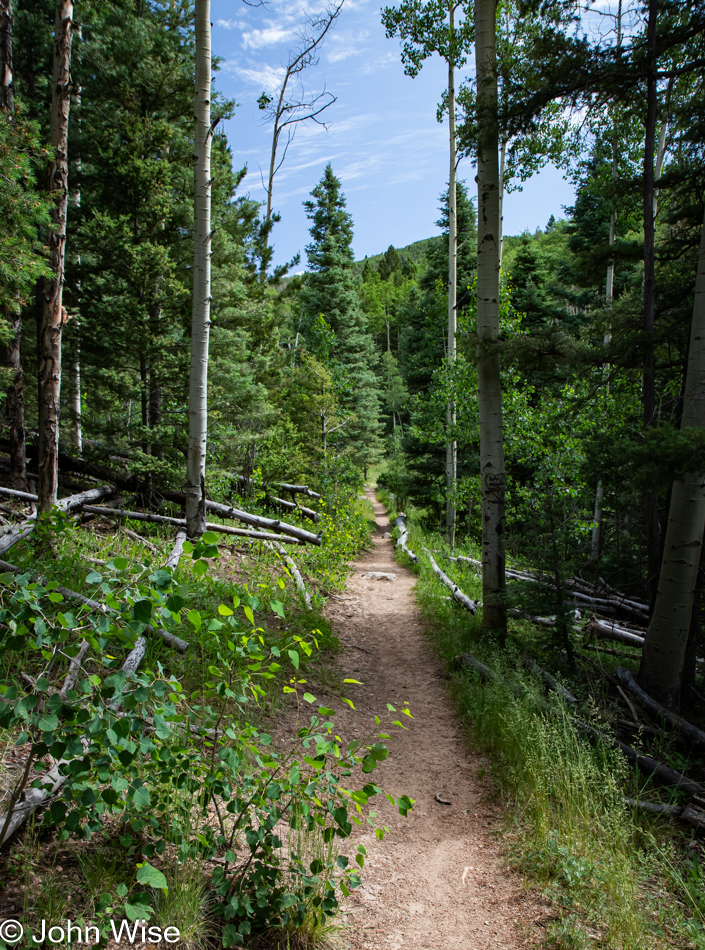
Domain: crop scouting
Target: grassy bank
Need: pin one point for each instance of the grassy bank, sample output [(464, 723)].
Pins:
[(615, 877)]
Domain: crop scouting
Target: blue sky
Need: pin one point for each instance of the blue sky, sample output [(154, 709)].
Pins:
[(383, 140)]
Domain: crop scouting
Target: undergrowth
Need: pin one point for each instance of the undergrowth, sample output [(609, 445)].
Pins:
[(615, 878), (179, 806)]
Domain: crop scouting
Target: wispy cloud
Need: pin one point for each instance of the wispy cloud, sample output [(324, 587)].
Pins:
[(231, 24), (269, 36), (347, 44), (264, 76)]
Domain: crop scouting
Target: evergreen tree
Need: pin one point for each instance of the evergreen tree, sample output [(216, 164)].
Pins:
[(330, 293)]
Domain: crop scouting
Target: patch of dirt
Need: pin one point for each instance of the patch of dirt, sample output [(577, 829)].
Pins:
[(437, 881)]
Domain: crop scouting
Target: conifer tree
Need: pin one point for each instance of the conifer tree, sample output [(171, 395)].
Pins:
[(330, 293)]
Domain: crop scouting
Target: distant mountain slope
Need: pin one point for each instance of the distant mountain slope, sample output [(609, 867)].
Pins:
[(415, 252)]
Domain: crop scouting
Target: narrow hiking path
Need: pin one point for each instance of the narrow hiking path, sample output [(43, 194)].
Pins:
[(437, 880)]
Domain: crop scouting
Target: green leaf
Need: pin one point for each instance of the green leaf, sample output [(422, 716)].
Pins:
[(141, 796), (151, 877), (357, 682), (278, 607), (294, 657), (210, 537), (55, 598), (188, 547), (48, 723), (251, 617), (142, 611), (194, 618), (224, 611), (309, 698), (138, 911), (120, 563), (200, 568)]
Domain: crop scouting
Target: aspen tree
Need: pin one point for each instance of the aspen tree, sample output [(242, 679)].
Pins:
[(200, 316), (53, 314), (492, 472)]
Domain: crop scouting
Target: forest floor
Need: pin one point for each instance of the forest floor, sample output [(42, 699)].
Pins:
[(438, 880)]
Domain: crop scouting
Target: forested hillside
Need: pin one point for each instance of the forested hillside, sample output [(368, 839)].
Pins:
[(188, 427)]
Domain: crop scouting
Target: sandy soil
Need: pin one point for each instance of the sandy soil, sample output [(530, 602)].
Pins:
[(437, 880)]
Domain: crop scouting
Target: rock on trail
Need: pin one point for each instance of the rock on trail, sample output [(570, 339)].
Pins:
[(437, 880)]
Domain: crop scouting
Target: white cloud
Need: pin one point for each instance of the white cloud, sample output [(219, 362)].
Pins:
[(264, 76), (231, 24), (269, 36), (347, 44)]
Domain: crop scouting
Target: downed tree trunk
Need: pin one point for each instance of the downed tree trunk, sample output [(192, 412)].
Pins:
[(258, 521), (654, 808), (457, 593), (294, 506), (551, 681), (656, 709), (645, 763), (169, 638), (298, 489), (611, 631), (181, 523), (402, 539), (295, 573), (138, 537), (175, 556), (13, 493), (23, 530), (35, 798)]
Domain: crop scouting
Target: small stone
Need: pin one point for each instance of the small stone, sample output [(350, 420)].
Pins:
[(387, 534), (379, 576)]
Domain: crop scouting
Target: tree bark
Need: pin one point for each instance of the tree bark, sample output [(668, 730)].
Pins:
[(7, 92), (451, 445), (53, 316), (649, 379), (493, 478), (200, 317), (15, 394), (663, 658)]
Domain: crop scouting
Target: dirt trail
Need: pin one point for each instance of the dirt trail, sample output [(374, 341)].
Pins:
[(437, 879)]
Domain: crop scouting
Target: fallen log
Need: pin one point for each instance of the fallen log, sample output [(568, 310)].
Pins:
[(14, 493), (645, 763), (456, 592), (655, 808), (138, 537), (257, 521), (402, 539), (551, 681), (611, 631), (294, 506), (23, 530), (169, 638), (181, 523), (656, 709), (295, 573), (298, 489), (175, 556), (35, 798)]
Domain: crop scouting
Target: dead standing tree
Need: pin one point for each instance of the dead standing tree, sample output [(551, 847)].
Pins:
[(290, 106)]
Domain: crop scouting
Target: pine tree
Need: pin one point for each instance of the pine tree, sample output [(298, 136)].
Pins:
[(330, 293)]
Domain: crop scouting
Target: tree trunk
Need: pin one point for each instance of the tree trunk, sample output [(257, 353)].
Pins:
[(200, 322), (451, 445), (663, 658), (649, 380), (493, 478), (7, 96), (15, 394), (15, 409), (53, 315), (502, 165)]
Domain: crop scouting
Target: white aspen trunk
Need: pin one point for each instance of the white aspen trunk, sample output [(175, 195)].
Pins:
[(76, 407), (53, 316), (200, 318), (502, 165), (609, 298), (663, 657), (451, 445), (661, 147), (492, 473)]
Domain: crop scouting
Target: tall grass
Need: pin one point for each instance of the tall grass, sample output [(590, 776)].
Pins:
[(615, 879)]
